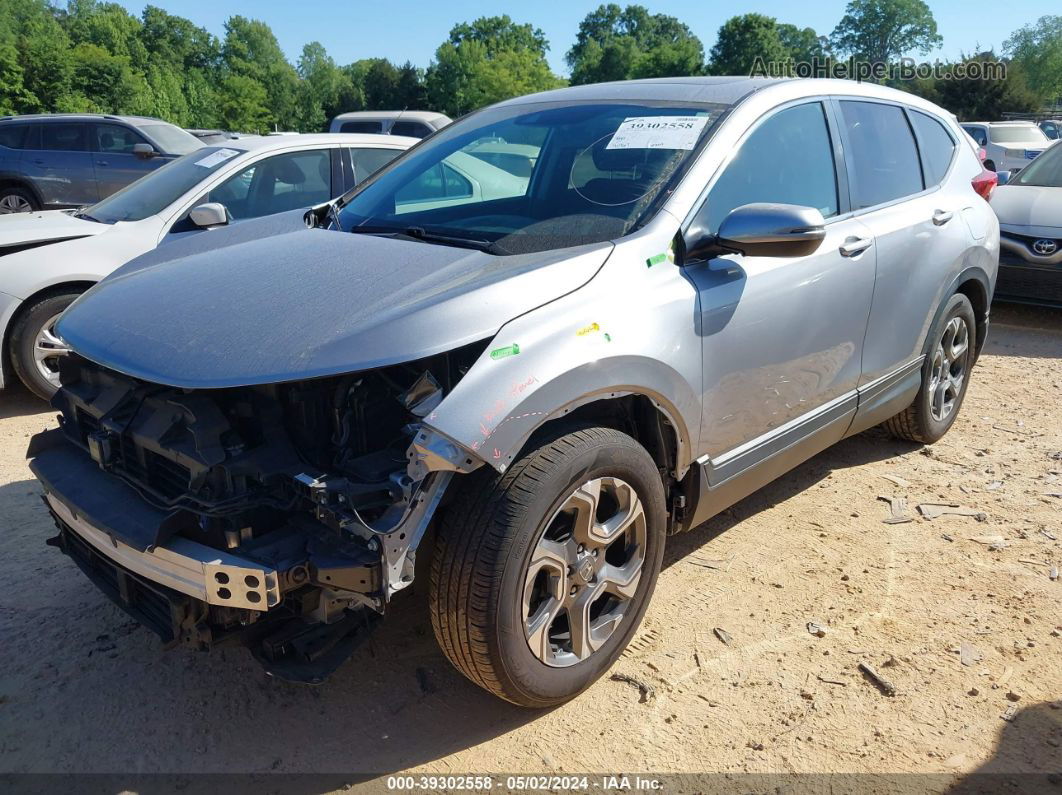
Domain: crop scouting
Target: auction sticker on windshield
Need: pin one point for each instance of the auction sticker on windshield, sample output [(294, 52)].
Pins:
[(658, 132), (219, 156)]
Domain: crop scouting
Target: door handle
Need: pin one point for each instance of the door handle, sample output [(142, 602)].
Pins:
[(101, 163), (941, 217), (855, 245)]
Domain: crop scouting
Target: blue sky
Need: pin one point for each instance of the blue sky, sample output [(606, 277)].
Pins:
[(411, 29)]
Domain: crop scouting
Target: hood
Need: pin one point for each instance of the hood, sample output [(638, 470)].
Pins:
[(20, 230), (1028, 206), (308, 303)]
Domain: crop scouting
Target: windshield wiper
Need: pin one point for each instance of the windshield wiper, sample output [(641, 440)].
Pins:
[(424, 236)]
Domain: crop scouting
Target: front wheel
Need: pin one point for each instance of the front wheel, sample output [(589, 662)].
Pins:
[(541, 576), (945, 376), (35, 347)]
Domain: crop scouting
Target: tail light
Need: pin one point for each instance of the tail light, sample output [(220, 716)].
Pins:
[(981, 153), (984, 183)]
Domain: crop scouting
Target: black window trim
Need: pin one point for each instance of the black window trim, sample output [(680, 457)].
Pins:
[(836, 100), (844, 207)]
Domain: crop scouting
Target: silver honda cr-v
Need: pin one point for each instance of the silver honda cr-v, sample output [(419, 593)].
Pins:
[(652, 298)]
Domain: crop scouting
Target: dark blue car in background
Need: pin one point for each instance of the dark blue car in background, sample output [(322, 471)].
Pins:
[(52, 161)]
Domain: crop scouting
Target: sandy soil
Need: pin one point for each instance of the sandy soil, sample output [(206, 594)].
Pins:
[(83, 689)]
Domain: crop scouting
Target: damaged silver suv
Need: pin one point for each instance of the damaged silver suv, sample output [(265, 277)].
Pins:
[(552, 334)]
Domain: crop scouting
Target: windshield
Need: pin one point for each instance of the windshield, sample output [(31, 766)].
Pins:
[(526, 178), (173, 140), (1045, 171), (1018, 134), (153, 192)]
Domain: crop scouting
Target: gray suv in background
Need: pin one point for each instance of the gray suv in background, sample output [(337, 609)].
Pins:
[(53, 161), (699, 284)]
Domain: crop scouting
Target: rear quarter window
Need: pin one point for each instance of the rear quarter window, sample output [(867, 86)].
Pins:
[(413, 129), (12, 135), (883, 159), (361, 127), (936, 146)]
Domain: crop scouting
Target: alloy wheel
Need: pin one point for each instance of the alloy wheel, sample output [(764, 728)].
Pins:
[(48, 349), (584, 572), (13, 203), (948, 371)]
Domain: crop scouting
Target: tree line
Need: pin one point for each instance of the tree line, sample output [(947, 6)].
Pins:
[(90, 56)]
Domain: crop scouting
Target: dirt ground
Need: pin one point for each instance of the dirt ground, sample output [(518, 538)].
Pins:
[(83, 689)]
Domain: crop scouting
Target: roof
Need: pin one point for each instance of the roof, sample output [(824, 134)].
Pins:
[(722, 90), (407, 115), (256, 143), (1012, 123), (137, 120)]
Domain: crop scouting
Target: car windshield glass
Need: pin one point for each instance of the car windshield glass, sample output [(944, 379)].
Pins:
[(1045, 171), (173, 140), (153, 192), (1017, 135), (535, 177)]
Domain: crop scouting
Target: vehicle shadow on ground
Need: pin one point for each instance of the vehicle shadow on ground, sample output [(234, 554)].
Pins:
[(872, 445), (17, 401), (1026, 758), (1018, 330)]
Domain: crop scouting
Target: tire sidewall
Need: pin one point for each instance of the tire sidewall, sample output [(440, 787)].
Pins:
[(24, 336), (541, 682), (958, 306)]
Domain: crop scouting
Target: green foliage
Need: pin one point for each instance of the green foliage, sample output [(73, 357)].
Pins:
[(885, 30), (742, 40), (978, 100), (616, 43), (487, 61), (1036, 50)]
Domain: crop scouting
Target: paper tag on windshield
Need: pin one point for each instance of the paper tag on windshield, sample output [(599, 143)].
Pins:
[(219, 156), (658, 132)]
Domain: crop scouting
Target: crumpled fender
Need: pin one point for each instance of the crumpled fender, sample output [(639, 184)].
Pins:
[(631, 329)]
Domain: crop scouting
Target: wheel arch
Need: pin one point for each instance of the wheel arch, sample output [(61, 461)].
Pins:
[(14, 181)]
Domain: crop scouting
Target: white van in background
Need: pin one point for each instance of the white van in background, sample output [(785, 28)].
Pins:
[(411, 123)]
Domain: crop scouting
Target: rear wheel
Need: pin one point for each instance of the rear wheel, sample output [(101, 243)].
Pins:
[(945, 376), (16, 200), (541, 575), (35, 347)]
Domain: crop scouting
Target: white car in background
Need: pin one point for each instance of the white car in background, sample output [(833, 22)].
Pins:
[(47, 259), (1009, 145)]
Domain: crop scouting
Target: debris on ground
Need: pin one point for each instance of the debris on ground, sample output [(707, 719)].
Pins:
[(886, 687), (817, 630), (934, 510), (1057, 494), (1053, 574), (946, 537), (898, 510), (896, 480), (822, 678), (968, 655), (723, 635), (994, 543), (1009, 713), (648, 693), (1049, 534), (706, 563), (995, 485)]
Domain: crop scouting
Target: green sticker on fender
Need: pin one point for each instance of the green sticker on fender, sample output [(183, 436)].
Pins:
[(656, 259), (508, 350)]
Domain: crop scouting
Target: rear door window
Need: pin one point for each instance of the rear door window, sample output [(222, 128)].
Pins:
[(978, 134), (414, 129), (65, 137), (935, 144), (361, 127), (364, 162), (12, 135), (787, 159), (882, 157)]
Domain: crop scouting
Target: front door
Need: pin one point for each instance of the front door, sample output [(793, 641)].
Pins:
[(113, 159), (781, 337)]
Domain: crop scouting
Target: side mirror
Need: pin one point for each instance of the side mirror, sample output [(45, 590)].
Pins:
[(761, 230), (144, 151), (1003, 177), (209, 214)]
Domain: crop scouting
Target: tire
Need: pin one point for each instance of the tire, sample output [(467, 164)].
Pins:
[(923, 421), (28, 328), (17, 200), (484, 584)]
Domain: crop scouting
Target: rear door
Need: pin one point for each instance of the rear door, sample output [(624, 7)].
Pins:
[(113, 160), (61, 165), (899, 192), (361, 162)]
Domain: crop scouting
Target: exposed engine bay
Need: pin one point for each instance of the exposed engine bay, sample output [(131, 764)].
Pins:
[(298, 507)]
